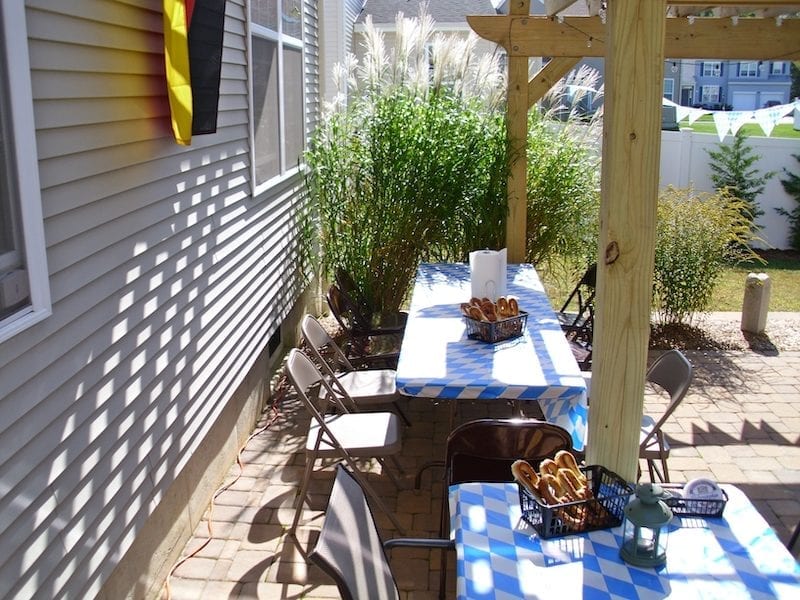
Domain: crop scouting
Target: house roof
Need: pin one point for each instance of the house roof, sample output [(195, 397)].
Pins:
[(442, 11)]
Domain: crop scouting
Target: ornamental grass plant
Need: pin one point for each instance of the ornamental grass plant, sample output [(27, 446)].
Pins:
[(408, 164)]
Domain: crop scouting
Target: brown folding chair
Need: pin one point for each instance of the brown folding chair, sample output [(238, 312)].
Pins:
[(363, 345), (578, 326), (483, 450)]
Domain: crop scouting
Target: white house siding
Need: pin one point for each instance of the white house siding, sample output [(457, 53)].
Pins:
[(167, 280), (337, 38)]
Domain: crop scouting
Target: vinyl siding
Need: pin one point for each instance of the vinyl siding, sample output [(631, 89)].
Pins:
[(167, 279)]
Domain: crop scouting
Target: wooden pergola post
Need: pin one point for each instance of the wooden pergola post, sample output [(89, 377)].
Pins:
[(629, 196), (517, 130)]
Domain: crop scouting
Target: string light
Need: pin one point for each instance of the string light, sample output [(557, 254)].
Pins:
[(589, 42), (779, 20), (674, 67), (691, 19), (735, 20), (560, 18)]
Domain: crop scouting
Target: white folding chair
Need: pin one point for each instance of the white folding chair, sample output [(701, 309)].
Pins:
[(672, 372), (345, 435), (366, 387)]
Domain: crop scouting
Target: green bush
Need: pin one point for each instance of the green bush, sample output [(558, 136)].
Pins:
[(697, 235)]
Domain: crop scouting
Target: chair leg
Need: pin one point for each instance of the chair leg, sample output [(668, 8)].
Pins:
[(664, 467), (650, 468), (401, 414), (443, 530), (373, 494), (301, 498), (793, 539)]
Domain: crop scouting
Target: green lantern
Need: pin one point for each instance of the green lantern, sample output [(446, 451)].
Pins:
[(644, 534)]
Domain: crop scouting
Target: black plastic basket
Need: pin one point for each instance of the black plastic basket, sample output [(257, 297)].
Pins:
[(694, 507), (496, 331), (605, 510)]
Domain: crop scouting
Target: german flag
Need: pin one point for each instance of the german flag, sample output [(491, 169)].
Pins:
[(193, 31)]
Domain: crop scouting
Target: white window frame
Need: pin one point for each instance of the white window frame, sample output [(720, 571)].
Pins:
[(20, 137), (777, 67), (748, 69), (282, 40), (712, 69), (669, 83), (705, 97)]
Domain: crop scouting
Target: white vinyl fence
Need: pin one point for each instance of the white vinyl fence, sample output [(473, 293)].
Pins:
[(685, 160)]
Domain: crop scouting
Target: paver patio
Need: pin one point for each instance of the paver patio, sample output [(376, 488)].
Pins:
[(740, 424)]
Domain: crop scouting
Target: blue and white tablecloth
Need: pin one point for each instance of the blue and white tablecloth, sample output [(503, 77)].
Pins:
[(499, 556), (437, 360)]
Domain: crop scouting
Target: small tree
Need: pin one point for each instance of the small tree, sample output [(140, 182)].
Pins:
[(792, 186), (732, 170)]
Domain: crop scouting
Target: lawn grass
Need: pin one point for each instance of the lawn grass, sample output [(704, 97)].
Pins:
[(783, 270), (784, 275), (706, 124)]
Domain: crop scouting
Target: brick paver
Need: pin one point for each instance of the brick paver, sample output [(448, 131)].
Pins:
[(739, 424)]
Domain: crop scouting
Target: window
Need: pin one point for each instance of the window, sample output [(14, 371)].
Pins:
[(24, 291), (710, 94), (748, 69), (276, 49), (669, 89), (712, 69), (777, 67)]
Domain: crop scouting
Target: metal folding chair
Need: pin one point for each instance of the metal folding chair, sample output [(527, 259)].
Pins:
[(366, 387), (673, 373), (345, 435)]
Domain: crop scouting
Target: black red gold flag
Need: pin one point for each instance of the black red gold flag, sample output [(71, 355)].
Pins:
[(193, 35)]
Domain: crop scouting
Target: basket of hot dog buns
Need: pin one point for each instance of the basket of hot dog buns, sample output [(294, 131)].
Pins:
[(561, 498), (493, 321)]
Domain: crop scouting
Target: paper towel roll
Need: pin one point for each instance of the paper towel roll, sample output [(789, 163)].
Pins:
[(487, 270)]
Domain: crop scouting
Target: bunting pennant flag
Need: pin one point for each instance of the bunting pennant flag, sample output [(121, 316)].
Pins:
[(193, 33), (730, 121)]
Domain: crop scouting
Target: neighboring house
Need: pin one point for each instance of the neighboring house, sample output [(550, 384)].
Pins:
[(336, 38), (146, 287), (739, 85), (450, 16)]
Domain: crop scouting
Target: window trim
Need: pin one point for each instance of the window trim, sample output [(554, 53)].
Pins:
[(282, 40), (714, 68), (781, 67), (752, 69), (671, 81), (25, 170)]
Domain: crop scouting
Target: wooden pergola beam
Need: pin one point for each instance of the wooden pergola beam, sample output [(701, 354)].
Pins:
[(548, 76), (579, 37)]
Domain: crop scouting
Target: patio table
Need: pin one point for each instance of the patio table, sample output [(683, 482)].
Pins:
[(438, 360), (498, 555)]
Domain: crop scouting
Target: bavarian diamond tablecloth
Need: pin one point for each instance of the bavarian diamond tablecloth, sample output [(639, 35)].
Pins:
[(437, 360), (499, 556)]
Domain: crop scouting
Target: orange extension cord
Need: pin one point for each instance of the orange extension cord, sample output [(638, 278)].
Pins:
[(275, 413)]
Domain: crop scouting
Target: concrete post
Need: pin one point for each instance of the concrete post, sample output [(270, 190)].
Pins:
[(755, 306)]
